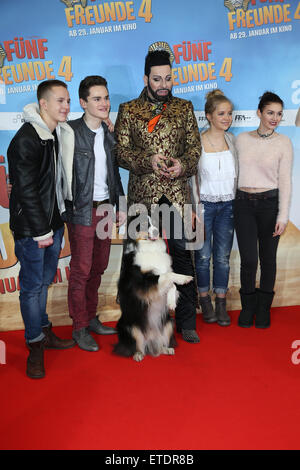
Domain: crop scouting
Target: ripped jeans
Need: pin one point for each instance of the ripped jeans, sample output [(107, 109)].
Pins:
[(219, 228)]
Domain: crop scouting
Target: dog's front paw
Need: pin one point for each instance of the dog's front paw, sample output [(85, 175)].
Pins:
[(172, 300), (171, 305), (182, 279), (169, 351), (188, 279), (172, 297), (138, 356)]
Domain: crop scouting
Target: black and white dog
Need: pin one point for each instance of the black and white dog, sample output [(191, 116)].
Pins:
[(147, 290)]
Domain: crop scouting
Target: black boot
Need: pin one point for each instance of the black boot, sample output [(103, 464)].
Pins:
[(35, 362), (222, 315), (264, 302), (249, 303), (208, 313)]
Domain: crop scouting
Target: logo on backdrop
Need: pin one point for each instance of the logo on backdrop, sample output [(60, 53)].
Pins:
[(105, 17), (2, 57), (27, 61), (251, 18), (70, 3), (195, 68), (232, 5)]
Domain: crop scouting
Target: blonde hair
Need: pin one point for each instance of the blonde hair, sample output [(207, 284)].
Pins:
[(213, 99)]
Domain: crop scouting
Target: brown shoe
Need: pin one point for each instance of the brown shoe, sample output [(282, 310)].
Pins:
[(35, 361), (53, 342)]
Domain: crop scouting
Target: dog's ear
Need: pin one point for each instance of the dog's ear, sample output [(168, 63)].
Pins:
[(153, 230), (129, 244), (129, 247)]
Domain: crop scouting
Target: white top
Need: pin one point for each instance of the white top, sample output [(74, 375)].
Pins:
[(217, 174), (100, 179)]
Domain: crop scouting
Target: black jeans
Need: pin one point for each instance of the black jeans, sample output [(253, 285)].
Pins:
[(255, 219), (182, 263)]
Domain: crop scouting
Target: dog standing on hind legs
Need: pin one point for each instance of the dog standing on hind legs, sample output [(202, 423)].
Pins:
[(147, 290)]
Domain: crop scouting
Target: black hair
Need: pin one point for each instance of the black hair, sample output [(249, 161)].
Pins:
[(155, 58), (88, 82), (267, 98), (45, 86)]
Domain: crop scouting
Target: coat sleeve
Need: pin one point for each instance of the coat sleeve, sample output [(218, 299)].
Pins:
[(120, 197), (24, 162), (192, 151)]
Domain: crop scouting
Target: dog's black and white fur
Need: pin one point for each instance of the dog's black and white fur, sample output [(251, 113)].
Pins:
[(147, 291)]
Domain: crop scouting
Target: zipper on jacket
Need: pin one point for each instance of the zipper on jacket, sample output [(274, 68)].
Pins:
[(54, 182), (74, 207)]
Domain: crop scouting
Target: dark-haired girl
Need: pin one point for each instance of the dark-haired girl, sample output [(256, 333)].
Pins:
[(261, 208)]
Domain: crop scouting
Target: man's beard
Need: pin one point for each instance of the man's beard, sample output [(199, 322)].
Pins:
[(162, 98)]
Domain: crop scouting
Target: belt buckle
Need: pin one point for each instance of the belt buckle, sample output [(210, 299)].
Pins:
[(96, 204)]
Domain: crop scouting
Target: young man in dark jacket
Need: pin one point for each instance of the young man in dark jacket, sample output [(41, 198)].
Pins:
[(37, 165), (97, 188)]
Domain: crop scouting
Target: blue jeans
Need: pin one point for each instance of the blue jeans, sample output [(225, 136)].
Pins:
[(219, 228), (38, 267)]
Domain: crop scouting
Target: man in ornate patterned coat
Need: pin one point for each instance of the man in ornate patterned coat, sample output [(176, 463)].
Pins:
[(158, 142)]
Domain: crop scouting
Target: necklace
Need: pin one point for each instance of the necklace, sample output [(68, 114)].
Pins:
[(210, 142), (264, 136), (223, 147)]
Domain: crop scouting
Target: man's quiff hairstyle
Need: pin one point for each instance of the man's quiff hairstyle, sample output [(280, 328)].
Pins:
[(88, 82), (156, 58), (44, 87)]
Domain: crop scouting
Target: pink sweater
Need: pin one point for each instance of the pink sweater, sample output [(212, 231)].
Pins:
[(266, 163)]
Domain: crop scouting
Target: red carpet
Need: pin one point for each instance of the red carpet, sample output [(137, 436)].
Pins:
[(237, 389)]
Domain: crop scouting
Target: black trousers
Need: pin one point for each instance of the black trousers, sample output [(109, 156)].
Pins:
[(182, 263), (255, 219)]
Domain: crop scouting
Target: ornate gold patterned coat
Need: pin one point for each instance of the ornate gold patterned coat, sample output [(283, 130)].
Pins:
[(175, 135)]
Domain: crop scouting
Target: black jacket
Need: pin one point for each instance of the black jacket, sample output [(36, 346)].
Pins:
[(80, 211), (32, 175)]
